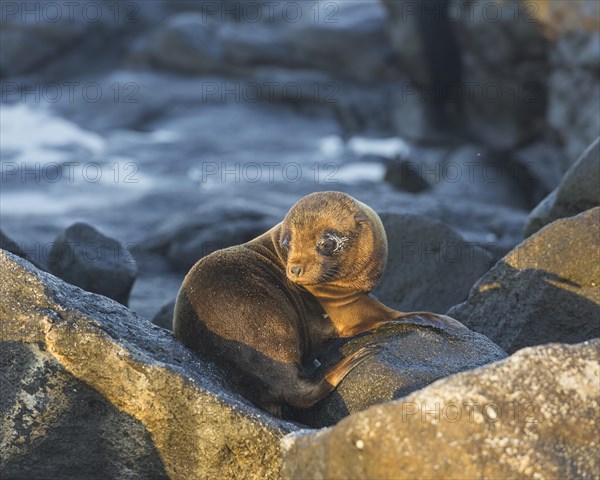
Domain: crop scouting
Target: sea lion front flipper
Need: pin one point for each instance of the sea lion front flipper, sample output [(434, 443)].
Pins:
[(429, 319)]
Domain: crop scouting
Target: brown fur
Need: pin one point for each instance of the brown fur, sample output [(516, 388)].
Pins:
[(246, 308)]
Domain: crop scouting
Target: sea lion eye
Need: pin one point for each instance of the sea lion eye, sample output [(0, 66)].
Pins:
[(286, 243), (330, 244)]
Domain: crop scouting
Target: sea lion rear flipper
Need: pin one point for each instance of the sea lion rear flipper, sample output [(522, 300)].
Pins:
[(309, 391)]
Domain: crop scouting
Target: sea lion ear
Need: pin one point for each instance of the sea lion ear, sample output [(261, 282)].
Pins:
[(361, 218)]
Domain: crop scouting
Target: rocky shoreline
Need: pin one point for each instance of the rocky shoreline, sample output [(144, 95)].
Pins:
[(136, 142)]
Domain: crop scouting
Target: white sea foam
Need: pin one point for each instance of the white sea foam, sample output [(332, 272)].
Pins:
[(35, 136), (37, 148), (360, 172), (331, 146), (383, 147)]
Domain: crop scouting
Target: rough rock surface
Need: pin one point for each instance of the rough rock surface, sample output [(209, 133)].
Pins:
[(410, 357), (533, 415), (177, 409), (430, 267), (84, 257), (545, 290), (578, 191)]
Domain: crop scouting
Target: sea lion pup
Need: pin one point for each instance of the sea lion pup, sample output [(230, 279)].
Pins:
[(266, 309)]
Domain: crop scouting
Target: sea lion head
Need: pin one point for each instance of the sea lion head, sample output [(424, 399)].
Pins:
[(330, 238)]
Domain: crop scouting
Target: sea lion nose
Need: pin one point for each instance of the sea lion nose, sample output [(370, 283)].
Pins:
[(296, 270)]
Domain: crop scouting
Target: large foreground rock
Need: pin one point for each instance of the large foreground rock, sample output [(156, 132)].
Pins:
[(430, 266), (578, 191), (63, 427), (409, 358), (533, 415), (91, 390), (545, 290)]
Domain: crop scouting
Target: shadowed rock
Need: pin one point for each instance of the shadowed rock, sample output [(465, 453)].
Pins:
[(545, 290), (171, 403), (533, 415), (55, 426)]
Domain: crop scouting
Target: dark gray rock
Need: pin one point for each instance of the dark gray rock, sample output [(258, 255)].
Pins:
[(164, 317), (11, 246), (545, 290), (122, 392), (84, 257), (406, 176), (410, 357), (578, 191), (430, 267), (532, 415)]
